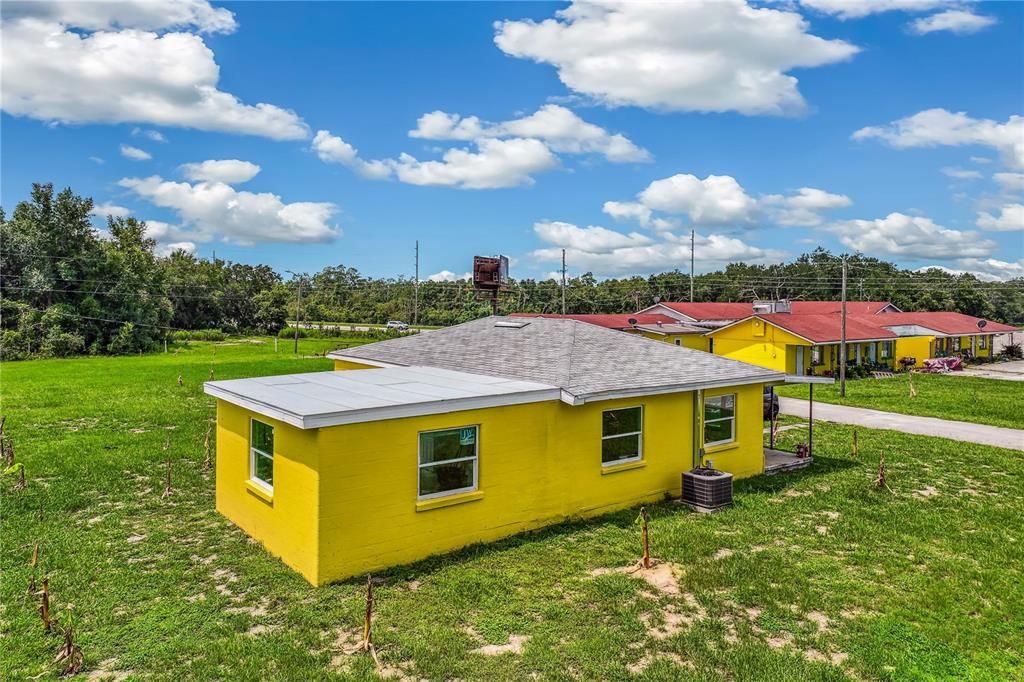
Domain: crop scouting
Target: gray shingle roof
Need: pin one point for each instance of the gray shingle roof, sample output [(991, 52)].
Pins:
[(586, 361)]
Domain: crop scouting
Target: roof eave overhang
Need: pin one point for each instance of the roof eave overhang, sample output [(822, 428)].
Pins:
[(583, 398), (335, 355), (372, 414)]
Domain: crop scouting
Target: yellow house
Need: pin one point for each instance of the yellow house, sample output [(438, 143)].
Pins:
[(472, 433), (803, 344)]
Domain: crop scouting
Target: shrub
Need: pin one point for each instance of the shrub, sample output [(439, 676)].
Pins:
[(58, 344), (1012, 351), (198, 335)]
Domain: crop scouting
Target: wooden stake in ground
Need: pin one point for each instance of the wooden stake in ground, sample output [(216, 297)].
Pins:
[(910, 383), (181, 382), (366, 643), (70, 654), (18, 469), (211, 373), (880, 481), (44, 605), (856, 446), (644, 517), (208, 446)]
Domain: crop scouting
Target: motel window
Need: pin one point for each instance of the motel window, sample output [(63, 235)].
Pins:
[(955, 343), (816, 358), (679, 342), (719, 419), (982, 342), (622, 435), (885, 350), (448, 461), (261, 453)]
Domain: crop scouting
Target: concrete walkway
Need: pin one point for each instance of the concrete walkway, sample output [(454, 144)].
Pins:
[(1007, 371), (922, 426)]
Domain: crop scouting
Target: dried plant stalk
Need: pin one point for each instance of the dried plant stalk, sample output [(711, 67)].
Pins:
[(44, 605)]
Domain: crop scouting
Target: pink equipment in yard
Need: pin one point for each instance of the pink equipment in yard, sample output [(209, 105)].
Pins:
[(941, 365)]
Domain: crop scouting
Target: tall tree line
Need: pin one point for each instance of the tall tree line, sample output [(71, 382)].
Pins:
[(67, 288)]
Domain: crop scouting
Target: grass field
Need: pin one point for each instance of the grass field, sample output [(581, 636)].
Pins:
[(961, 398), (816, 575)]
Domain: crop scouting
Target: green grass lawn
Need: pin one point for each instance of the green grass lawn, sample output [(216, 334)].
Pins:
[(816, 575), (960, 398)]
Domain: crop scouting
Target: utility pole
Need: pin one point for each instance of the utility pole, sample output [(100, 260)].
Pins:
[(416, 288), (691, 265), (842, 339), (298, 306), (563, 281)]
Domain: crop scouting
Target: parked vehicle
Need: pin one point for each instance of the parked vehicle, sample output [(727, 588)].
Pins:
[(396, 325), (771, 404)]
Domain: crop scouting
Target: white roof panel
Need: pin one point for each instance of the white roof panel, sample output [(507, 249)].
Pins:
[(320, 399)]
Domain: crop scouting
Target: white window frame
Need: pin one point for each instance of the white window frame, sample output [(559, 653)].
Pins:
[(885, 350), (475, 459), (735, 410), (955, 343), (983, 342), (817, 356), (255, 452), (640, 448)]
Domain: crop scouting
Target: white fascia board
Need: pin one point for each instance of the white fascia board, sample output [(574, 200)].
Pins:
[(800, 379), (372, 414), (675, 388), (665, 310), (335, 355)]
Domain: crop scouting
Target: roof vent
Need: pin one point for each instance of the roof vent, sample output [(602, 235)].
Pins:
[(510, 324), (982, 323), (632, 321)]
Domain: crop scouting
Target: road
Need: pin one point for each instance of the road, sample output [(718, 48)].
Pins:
[(967, 432)]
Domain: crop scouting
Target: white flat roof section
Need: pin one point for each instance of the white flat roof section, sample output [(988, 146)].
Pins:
[(318, 399)]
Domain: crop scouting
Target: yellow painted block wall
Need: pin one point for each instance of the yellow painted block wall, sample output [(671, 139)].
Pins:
[(348, 364), (538, 464), (286, 521), (918, 347), (745, 456), (758, 343), (693, 341)]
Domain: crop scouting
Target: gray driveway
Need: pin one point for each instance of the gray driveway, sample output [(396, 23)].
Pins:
[(922, 426), (1007, 371)]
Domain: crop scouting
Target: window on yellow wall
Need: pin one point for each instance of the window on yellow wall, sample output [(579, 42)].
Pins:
[(622, 435), (816, 358), (885, 350), (720, 419), (679, 342), (448, 460), (982, 342), (955, 343), (261, 453)]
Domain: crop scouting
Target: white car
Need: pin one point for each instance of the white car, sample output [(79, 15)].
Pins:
[(396, 325)]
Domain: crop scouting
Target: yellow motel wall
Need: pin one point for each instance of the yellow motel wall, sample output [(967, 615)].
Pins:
[(760, 343), (692, 341), (286, 522), (348, 364), (345, 497), (918, 347)]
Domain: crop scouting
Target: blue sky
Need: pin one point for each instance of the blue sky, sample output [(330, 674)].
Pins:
[(682, 116)]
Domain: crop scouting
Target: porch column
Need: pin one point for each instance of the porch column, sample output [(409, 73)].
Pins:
[(858, 353), (873, 352), (974, 346)]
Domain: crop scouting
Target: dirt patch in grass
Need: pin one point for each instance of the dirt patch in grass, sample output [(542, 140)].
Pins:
[(649, 659), (723, 553), (514, 645), (927, 491), (662, 575), (105, 672), (820, 620)]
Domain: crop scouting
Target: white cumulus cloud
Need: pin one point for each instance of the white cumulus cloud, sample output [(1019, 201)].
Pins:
[(953, 20), (495, 164), (448, 276), (961, 173), (167, 249), (911, 237), (606, 252), (110, 209), (135, 153), (228, 171), (113, 62), (154, 135), (939, 127), (1009, 219), (633, 210), (560, 128), (332, 149), (985, 269), (803, 209), (1010, 183), (214, 210), (715, 200), (697, 55), (856, 9)]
